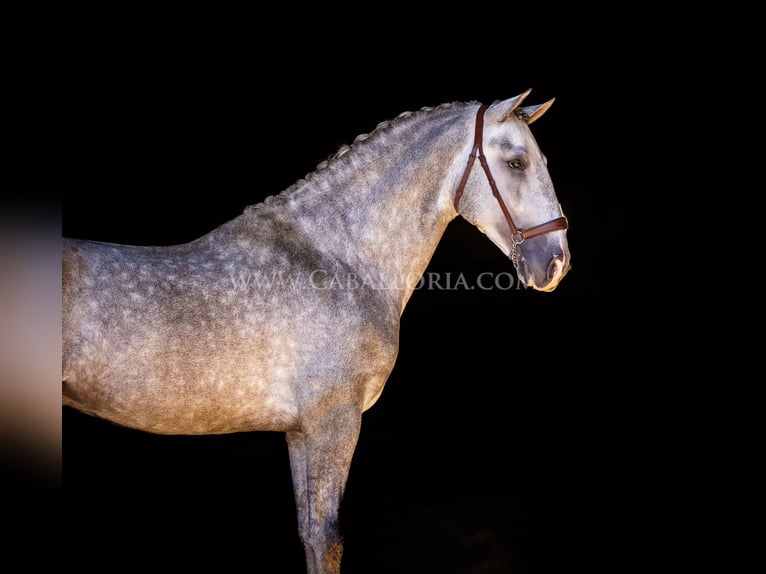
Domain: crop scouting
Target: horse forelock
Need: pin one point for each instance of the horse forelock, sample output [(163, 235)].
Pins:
[(363, 141)]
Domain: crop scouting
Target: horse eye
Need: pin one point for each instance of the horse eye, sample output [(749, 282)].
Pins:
[(517, 164)]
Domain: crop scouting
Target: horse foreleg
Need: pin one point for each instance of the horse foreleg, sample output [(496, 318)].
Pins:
[(320, 460), (296, 446)]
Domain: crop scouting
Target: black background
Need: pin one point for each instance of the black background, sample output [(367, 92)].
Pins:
[(520, 431)]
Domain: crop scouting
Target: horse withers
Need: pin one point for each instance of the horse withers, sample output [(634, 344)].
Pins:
[(246, 328)]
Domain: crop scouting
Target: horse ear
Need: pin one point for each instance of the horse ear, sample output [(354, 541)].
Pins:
[(528, 114), (503, 109), (531, 113)]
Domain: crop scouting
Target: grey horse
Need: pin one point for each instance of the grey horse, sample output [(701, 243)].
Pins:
[(287, 317)]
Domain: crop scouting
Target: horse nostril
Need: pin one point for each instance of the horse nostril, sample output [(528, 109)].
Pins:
[(556, 268)]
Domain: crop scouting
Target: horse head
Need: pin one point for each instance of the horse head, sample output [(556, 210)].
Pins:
[(513, 202)]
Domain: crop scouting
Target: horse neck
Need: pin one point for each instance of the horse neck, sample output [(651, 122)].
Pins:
[(382, 207)]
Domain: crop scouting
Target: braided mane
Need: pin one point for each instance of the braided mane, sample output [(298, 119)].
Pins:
[(360, 142)]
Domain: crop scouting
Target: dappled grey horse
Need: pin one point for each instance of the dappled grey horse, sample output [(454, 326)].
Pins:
[(287, 317)]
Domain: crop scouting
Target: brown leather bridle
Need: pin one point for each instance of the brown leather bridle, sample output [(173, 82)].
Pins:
[(517, 235)]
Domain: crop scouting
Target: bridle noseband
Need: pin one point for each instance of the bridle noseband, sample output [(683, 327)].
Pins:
[(517, 235)]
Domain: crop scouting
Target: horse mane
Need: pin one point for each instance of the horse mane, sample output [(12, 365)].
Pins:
[(362, 141)]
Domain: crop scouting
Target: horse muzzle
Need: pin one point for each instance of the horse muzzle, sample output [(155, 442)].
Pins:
[(543, 274)]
